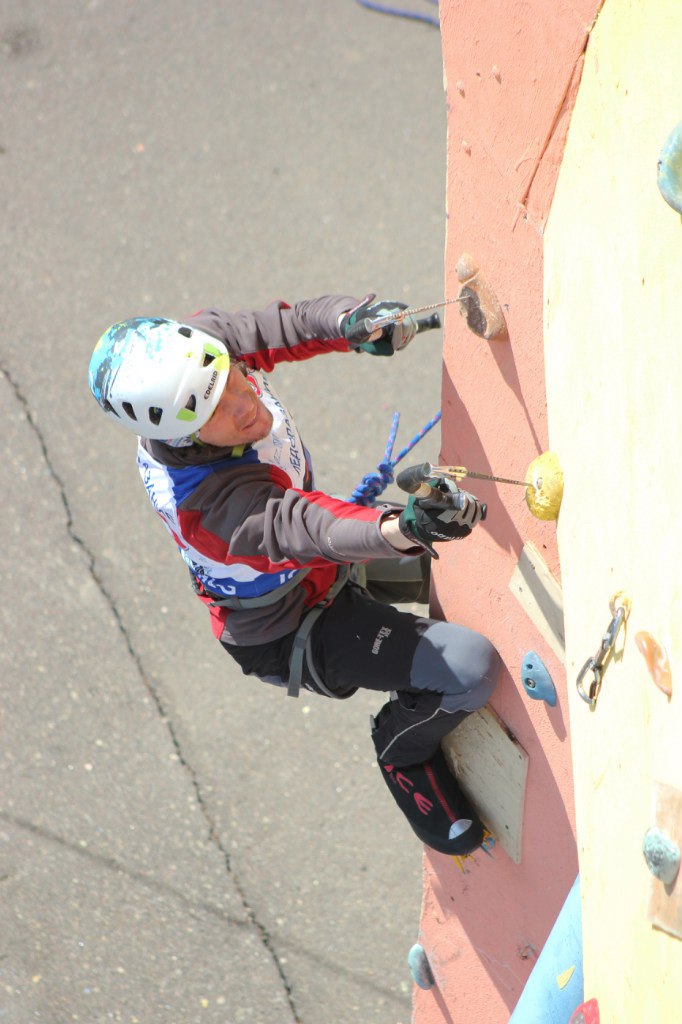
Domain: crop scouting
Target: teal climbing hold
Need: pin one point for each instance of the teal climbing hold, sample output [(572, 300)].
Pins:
[(420, 968), (662, 855), (536, 680), (670, 169)]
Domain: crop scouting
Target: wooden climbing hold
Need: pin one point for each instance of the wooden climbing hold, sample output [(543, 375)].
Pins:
[(478, 303), (656, 658), (546, 486)]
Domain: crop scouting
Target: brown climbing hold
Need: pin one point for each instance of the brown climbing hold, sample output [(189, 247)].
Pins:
[(656, 658), (478, 303)]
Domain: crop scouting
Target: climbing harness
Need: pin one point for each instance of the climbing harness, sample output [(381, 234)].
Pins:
[(619, 606), (375, 483), (301, 649)]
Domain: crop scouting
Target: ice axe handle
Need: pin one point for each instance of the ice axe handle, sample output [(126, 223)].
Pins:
[(428, 323), (365, 327), (414, 481)]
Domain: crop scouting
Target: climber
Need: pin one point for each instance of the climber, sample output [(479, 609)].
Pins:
[(291, 575)]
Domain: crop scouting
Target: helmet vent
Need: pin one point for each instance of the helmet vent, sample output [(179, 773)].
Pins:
[(186, 332), (191, 403), (108, 407), (208, 359), (129, 410), (155, 414)]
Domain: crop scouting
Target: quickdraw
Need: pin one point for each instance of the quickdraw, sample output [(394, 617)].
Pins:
[(619, 606)]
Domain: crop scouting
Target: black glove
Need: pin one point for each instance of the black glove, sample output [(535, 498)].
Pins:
[(429, 522), (392, 337)]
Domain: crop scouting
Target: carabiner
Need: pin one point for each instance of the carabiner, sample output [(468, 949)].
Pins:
[(591, 697), (619, 606)]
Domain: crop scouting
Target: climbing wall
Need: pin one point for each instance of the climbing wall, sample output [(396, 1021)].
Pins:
[(613, 266), (511, 71)]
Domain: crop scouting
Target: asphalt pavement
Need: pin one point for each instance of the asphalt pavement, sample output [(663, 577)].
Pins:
[(179, 843)]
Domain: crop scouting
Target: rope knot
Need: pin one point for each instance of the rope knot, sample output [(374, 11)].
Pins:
[(375, 483)]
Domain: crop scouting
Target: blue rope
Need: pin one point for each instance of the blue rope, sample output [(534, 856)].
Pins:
[(374, 484), (400, 12)]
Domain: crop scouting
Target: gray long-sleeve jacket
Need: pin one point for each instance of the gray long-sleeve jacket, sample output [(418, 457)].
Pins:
[(246, 522)]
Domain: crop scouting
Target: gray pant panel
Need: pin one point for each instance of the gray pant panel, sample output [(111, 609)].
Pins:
[(454, 671), (459, 663)]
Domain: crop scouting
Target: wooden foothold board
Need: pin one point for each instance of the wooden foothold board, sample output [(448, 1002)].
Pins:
[(491, 767), (539, 594)]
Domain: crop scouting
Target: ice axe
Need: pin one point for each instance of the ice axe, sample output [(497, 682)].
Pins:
[(365, 327), (415, 480)]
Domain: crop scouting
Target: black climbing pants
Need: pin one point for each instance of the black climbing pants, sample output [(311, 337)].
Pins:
[(436, 672)]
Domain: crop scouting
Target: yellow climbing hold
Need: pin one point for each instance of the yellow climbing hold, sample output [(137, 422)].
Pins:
[(546, 486), (564, 978)]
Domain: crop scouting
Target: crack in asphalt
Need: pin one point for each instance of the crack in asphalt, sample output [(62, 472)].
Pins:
[(111, 864), (251, 916), (193, 906)]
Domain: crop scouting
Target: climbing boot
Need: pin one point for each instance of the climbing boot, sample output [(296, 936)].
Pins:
[(430, 798)]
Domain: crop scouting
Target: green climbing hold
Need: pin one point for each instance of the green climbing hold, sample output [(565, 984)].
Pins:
[(662, 855)]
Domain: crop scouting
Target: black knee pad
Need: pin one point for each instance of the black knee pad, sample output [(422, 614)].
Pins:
[(434, 805)]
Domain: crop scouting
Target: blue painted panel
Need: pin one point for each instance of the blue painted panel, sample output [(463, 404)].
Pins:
[(543, 1000)]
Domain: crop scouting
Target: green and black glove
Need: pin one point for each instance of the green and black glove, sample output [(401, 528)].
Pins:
[(430, 522), (356, 327)]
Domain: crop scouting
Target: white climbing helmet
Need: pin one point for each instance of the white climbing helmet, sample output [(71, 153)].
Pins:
[(158, 377)]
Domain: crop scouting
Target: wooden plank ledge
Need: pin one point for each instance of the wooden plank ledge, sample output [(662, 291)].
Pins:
[(491, 767)]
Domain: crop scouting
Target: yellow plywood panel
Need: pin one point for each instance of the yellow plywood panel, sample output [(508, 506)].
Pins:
[(613, 267)]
